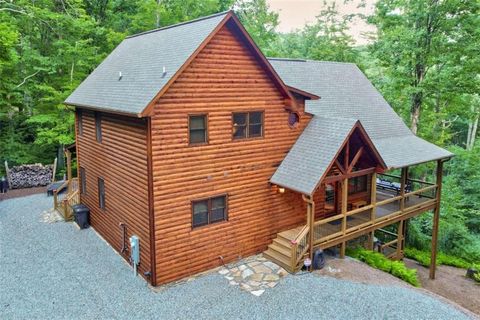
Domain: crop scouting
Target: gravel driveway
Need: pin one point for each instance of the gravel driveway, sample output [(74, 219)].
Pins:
[(55, 271)]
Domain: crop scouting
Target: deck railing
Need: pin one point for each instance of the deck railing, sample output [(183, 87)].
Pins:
[(64, 199), (389, 209)]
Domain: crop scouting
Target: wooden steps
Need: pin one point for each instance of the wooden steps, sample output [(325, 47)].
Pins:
[(280, 250)]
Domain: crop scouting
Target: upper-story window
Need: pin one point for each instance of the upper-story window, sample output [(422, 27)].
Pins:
[(247, 125), (98, 127), (197, 126), (80, 122)]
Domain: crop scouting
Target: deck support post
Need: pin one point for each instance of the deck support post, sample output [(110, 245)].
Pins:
[(373, 197), (69, 170), (403, 183), (344, 213), (436, 219), (310, 223), (399, 253)]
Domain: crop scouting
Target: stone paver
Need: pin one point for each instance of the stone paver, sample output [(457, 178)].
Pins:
[(254, 274)]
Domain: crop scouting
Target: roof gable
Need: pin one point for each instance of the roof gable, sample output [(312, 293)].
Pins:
[(142, 67), (315, 151)]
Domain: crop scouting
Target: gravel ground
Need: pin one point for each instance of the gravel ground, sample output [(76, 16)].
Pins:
[(55, 271)]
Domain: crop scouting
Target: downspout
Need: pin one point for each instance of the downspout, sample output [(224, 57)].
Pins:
[(310, 220), (151, 217)]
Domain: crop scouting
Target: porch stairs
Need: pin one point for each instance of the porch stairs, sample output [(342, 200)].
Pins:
[(280, 250)]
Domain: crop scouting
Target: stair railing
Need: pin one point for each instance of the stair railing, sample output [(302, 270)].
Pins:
[(299, 247)]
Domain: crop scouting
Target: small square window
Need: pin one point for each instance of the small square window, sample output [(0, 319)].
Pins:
[(197, 129)]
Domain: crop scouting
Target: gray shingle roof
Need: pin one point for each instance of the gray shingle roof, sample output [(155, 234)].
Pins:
[(346, 92), (312, 153), (141, 59)]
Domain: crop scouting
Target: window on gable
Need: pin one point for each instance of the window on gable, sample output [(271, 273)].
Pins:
[(98, 127), (208, 211), (247, 125), (80, 122), (101, 193), (293, 119), (357, 184), (197, 126), (83, 181)]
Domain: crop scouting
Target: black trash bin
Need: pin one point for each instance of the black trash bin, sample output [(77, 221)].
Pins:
[(3, 185), (82, 215)]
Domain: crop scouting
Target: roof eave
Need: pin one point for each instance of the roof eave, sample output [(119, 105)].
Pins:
[(99, 109)]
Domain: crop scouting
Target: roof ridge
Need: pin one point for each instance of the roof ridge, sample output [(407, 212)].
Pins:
[(310, 60), (179, 24)]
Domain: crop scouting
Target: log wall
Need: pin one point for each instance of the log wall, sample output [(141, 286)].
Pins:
[(121, 160), (225, 77)]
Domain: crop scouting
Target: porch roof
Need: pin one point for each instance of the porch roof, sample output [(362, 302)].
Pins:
[(312, 154)]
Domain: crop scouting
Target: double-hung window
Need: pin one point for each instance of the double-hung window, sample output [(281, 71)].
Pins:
[(197, 126)]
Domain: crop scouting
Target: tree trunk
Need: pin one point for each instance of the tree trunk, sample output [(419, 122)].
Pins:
[(415, 111), (472, 132)]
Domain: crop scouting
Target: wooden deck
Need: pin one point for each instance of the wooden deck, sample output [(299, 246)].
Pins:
[(329, 232)]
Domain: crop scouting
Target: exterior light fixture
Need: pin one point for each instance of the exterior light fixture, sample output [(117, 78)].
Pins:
[(281, 190)]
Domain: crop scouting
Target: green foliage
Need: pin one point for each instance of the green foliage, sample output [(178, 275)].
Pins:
[(326, 39), (423, 257), (48, 47), (476, 275), (379, 261)]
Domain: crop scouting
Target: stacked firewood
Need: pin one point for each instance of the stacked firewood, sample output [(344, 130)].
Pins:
[(30, 175)]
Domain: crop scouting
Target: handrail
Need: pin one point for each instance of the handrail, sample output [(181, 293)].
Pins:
[(300, 239), (56, 194), (421, 190), (355, 211), (387, 201), (408, 179), (329, 219)]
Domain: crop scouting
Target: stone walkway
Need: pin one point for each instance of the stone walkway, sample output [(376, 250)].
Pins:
[(254, 274)]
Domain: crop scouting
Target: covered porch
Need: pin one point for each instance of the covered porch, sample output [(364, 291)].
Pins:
[(348, 196)]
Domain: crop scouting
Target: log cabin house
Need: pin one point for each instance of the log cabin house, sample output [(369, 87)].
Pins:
[(189, 138)]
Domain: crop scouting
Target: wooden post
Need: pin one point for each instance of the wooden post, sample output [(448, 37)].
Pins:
[(403, 183), (69, 170), (311, 205), (54, 170), (7, 172), (373, 197), (436, 220), (399, 254), (371, 237), (344, 213)]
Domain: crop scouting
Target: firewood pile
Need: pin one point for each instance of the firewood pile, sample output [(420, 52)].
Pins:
[(30, 175)]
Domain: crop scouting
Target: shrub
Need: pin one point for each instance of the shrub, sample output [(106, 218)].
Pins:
[(476, 276), (379, 261), (423, 258)]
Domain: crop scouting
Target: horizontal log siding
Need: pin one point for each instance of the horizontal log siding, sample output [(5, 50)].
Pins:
[(121, 160), (222, 79)]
